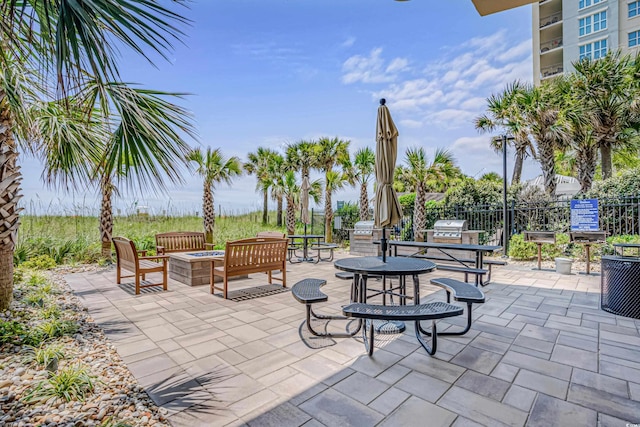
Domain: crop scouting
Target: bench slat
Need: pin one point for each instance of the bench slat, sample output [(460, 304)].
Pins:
[(462, 291), (429, 311)]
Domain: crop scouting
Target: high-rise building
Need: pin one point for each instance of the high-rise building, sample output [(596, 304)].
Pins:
[(565, 31)]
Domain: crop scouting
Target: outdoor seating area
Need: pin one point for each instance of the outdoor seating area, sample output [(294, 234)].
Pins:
[(538, 351)]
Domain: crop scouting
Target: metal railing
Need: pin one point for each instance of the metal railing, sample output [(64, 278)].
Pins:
[(551, 44), (551, 70), (551, 19)]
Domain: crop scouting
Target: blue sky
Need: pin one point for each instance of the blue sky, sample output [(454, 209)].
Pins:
[(272, 72)]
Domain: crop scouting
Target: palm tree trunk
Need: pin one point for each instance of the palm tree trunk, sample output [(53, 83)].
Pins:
[(328, 217), (106, 217), (209, 212), (548, 166), (279, 212), (10, 179), (517, 168), (586, 166), (265, 203), (364, 202), (419, 219), (291, 215), (605, 161)]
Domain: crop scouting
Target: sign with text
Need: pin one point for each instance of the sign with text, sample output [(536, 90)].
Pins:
[(584, 215)]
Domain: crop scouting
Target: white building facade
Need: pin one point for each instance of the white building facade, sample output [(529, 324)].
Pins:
[(565, 31)]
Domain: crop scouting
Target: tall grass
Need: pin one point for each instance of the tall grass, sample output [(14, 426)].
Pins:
[(75, 239)]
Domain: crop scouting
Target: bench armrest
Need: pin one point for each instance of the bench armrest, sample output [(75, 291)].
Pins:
[(160, 250), (142, 252), (209, 246), (157, 257)]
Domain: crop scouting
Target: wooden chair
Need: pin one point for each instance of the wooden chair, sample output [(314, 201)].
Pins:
[(271, 235), (128, 259)]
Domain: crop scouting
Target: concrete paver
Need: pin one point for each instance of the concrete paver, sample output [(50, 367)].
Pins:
[(540, 352)]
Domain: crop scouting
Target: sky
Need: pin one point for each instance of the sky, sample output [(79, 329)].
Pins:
[(273, 72)]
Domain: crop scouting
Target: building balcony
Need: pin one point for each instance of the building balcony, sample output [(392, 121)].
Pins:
[(549, 20), (550, 45), (551, 70)]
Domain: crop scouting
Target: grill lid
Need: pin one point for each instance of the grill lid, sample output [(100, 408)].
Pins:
[(363, 228), (449, 228)]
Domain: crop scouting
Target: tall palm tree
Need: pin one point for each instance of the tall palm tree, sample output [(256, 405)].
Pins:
[(364, 161), (277, 167), (418, 174), (214, 168), (329, 153), (503, 111), (301, 156), (51, 49), (547, 125), (291, 192), (259, 164), (609, 89)]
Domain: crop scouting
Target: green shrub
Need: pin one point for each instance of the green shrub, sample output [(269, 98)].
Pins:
[(51, 312), (12, 332), (521, 250), (407, 201), (72, 383), (40, 262), (37, 299), (37, 279), (45, 356), (54, 328)]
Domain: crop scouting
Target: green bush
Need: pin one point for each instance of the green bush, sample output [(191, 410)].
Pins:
[(40, 262), (12, 332), (72, 383), (45, 356), (407, 201), (521, 250)]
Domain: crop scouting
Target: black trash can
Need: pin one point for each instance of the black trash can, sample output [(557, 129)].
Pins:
[(620, 286)]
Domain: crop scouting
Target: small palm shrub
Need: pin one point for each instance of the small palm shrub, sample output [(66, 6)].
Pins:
[(54, 328), (46, 356), (40, 262), (71, 383)]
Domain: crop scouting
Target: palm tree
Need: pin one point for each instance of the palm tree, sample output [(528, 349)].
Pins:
[(608, 88), (503, 111), (213, 167), (259, 164), (363, 162), (331, 152), (51, 49), (547, 125), (418, 174), (277, 168), (291, 192), (301, 156)]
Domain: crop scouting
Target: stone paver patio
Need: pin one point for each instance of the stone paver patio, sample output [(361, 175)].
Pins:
[(540, 353)]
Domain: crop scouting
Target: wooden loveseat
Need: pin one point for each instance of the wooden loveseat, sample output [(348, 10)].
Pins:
[(253, 255), (181, 241)]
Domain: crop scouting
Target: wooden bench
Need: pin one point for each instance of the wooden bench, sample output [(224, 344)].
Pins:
[(140, 265), (324, 247), (430, 311), (253, 255), (463, 292), (181, 241), (307, 292)]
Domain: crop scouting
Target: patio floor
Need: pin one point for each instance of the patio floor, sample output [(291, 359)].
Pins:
[(540, 353)]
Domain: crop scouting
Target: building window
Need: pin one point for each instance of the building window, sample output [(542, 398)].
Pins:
[(593, 23), (595, 50), (586, 3), (634, 38), (585, 26), (633, 8)]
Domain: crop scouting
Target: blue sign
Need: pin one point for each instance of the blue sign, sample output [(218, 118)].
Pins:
[(584, 215)]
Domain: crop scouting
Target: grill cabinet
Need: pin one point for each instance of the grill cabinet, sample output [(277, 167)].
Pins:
[(361, 239), (449, 230)]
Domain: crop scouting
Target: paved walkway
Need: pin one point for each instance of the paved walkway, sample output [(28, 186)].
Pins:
[(540, 353)]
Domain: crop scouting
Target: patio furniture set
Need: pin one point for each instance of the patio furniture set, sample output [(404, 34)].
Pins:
[(302, 242), (186, 256)]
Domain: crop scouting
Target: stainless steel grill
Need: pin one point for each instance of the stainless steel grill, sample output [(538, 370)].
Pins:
[(363, 228), (449, 230)]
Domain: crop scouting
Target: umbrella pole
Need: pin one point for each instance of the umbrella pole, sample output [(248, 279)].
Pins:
[(383, 245)]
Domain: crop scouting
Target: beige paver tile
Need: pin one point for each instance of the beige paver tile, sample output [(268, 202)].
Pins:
[(421, 362), (600, 382), (481, 409), (415, 412), (423, 386), (388, 401), (333, 408), (549, 411), (520, 397), (575, 357), (253, 402), (604, 402), (283, 415), (477, 359), (542, 383), (361, 387), (535, 364), (483, 384), (505, 372)]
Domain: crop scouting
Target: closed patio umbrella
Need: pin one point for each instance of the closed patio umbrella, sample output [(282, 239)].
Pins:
[(387, 207)]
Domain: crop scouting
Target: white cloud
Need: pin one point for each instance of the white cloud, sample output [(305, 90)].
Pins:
[(350, 41), (371, 68), (411, 123)]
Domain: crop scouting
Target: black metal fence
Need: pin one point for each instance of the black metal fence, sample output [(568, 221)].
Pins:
[(617, 217)]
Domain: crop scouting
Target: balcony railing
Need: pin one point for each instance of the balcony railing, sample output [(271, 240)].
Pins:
[(550, 45), (551, 70), (551, 19)]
